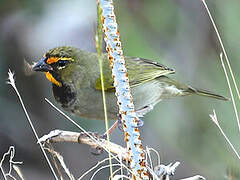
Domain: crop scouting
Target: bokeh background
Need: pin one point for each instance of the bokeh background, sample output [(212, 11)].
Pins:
[(176, 33)]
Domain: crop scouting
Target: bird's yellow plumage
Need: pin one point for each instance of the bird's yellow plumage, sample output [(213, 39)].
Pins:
[(52, 79)]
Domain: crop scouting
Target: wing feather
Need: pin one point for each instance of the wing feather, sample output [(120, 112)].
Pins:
[(140, 70)]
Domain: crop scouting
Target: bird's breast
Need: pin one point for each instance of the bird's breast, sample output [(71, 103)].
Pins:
[(65, 95)]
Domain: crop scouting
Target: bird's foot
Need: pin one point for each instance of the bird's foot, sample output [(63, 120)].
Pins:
[(93, 135), (98, 150), (120, 124), (140, 123), (110, 130)]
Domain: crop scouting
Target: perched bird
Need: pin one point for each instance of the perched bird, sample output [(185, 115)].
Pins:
[(76, 82)]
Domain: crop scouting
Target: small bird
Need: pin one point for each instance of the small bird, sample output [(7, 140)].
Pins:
[(76, 82)]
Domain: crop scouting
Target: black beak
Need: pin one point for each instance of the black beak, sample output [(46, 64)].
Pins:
[(42, 66)]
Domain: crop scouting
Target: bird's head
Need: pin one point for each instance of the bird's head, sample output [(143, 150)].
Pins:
[(55, 62)]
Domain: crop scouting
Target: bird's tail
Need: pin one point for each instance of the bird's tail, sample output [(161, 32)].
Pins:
[(206, 93), (188, 90)]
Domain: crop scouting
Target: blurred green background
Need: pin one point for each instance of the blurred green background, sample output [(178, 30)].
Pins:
[(176, 33)]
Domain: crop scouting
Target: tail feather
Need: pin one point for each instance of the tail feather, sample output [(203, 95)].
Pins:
[(188, 90), (206, 93)]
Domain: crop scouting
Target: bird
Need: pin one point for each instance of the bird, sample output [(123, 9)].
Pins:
[(76, 82)]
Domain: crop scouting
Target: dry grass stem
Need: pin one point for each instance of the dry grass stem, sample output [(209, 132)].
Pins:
[(18, 171), (215, 120), (73, 137), (213, 116), (103, 167), (11, 81), (12, 163), (164, 172), (148, 157), (121, 168), (148, 152), (120, 154), (117, 177), (90, 138), (60, 159), (94, 167), (115, 172), (197, 177), (94, 142), (230, 89), (223, 48)]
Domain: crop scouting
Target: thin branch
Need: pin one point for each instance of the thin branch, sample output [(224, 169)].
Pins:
[(115, 172), (164, 172), (117, 152), (230, 89), (61, 161), (11, 81), (94, 167), (101, 168), (18, 171), (222, 46), (82, 129), (197, 177), (148, 152), (12, 164), (215, 120), (117, 177), (76, 137)]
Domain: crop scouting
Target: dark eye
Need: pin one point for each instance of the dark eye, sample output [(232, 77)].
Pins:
[(61, 63)]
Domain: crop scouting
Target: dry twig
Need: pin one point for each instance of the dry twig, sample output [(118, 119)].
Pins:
[(11, 81)]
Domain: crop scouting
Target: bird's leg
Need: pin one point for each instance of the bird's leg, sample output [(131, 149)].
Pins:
[(140, 123), (99, 150), (94, 150), (111, 129), (118, 123)]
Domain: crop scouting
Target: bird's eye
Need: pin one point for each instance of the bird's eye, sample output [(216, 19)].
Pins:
[(61, 63)]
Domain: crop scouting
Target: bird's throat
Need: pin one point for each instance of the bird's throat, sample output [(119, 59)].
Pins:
[(50, 77), (65, 95)]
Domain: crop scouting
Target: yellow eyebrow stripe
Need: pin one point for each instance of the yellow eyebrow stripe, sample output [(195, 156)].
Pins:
[(56, 59), (52, 79), (52, 60), (66, 59)]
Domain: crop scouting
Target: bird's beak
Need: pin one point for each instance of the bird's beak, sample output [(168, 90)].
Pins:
[(42, 66)]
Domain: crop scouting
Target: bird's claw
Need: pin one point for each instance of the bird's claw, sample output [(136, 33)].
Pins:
[(140, 123), (95, 150)]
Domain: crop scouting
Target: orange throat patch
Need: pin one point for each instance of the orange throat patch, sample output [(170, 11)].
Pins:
[(52, 79)]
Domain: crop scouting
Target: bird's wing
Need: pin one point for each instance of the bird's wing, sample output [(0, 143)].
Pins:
[(139, 71)]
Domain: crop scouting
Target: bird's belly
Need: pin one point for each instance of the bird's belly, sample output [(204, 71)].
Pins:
[(147, 94), (89, 103)]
